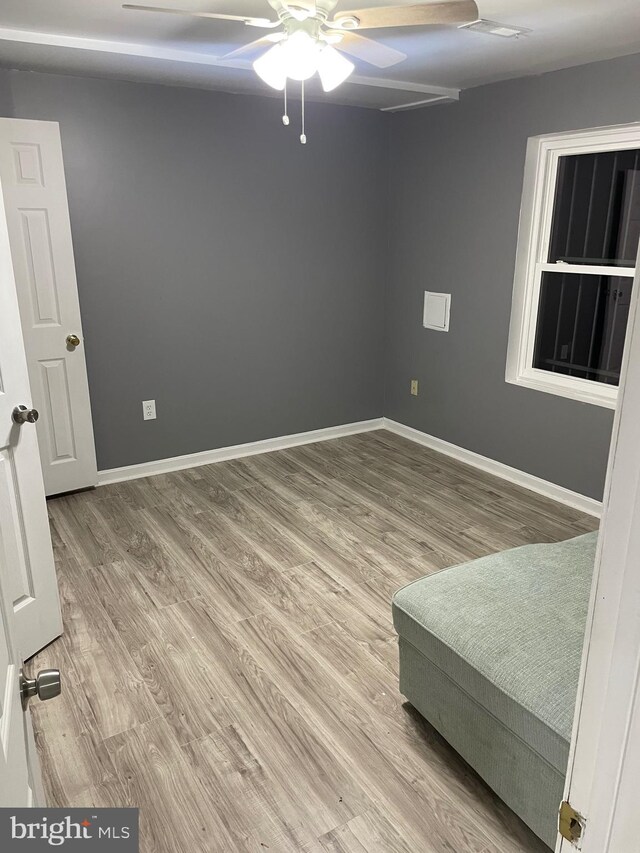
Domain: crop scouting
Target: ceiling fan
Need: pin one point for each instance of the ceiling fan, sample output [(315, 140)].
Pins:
[(308, 41)]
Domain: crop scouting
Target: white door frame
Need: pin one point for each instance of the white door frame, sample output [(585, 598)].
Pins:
[(604, 763)]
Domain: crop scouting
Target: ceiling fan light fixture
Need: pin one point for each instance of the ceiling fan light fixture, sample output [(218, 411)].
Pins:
[(332, 38), (271, 67), (301, 54), (333, 68), (299, 12)]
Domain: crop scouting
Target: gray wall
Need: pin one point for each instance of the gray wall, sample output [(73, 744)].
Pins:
[(455, 188), (238, 278), (224, 270)]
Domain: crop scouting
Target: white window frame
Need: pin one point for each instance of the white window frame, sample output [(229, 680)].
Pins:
[(534, 235)]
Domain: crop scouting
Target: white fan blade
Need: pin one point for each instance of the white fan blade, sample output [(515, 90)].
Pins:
[(368, 50), (421, 15), (253, 46), (243, 19)]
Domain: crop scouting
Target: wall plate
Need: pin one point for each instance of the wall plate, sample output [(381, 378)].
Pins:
[(436, 311)]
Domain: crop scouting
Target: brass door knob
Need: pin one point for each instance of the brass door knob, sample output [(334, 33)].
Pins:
[(73, 341)]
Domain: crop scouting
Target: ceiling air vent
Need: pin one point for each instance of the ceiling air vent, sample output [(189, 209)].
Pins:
[(493, 28)]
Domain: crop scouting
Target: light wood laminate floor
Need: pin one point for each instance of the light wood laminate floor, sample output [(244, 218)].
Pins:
[(229, 661)]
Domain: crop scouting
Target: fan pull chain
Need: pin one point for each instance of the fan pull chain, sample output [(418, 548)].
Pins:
[(303, 135), (285, 117)]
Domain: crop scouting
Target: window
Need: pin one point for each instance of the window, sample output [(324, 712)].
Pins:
[(577, 247)]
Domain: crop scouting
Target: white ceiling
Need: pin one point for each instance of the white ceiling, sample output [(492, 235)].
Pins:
[(98, 37)]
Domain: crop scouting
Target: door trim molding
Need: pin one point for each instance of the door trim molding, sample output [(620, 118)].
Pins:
[(499, 469), (236, 451)]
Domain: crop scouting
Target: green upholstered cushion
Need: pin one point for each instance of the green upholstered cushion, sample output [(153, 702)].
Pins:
[(518, 774), (508, 629)]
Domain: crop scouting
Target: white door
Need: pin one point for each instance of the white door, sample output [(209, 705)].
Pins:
[(27, 571), (35, 197)]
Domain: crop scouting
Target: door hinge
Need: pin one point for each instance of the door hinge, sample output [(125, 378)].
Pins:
[(570, 823)]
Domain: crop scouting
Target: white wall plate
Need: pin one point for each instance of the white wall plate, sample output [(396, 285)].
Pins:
[(437, 307)]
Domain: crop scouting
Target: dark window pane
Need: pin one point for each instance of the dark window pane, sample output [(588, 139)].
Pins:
[(596, 217), (581, 325)]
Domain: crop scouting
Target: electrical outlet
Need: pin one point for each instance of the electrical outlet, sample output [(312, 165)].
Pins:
[(414, 387), (148, 410)]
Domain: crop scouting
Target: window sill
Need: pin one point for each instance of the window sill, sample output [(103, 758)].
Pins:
[(574, 389)]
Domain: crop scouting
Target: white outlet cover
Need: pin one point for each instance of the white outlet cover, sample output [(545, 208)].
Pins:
[(437, 308), (148, 410)]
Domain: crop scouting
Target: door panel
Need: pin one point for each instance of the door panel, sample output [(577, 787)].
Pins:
[(18, 582), (26, 556), (32, 175), (35, 246), (57, 409), (14, 767)]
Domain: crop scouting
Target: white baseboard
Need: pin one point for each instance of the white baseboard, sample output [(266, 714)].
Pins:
[(514, 475), (237, 451)]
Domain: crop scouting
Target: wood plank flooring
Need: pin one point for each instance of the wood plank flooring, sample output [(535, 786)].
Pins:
[(229, 661)]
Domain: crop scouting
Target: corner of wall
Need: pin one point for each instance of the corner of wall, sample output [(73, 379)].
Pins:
[(387, 262), (6, 94)]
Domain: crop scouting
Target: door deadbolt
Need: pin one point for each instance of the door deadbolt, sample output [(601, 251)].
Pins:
[(22, 415), (46, 685)]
